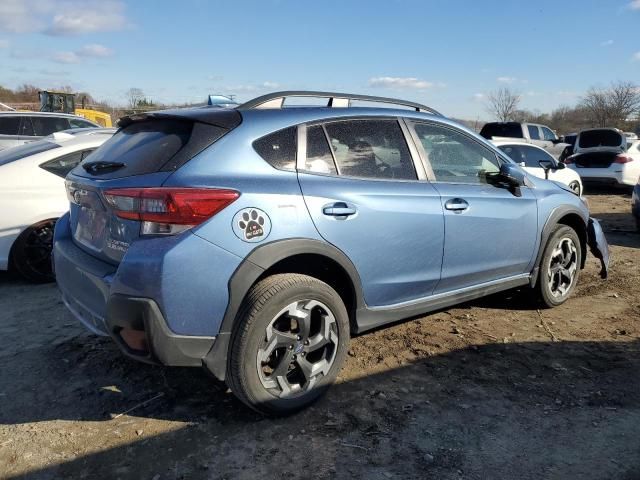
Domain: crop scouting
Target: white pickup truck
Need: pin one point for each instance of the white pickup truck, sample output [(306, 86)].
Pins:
[(539, 135)]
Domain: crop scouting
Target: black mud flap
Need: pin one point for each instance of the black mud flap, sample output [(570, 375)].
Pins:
[(598, 245)]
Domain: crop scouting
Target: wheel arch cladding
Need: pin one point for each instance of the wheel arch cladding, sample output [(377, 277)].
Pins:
[(308, 257), (562, 216)]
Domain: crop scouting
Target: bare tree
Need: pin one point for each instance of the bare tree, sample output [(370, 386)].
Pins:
[(134, 95), (612, 106), (503, 104)]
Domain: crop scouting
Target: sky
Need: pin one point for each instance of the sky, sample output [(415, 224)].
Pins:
[(445, 53)]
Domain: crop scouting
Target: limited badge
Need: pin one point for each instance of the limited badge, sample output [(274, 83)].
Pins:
[(251, 225)]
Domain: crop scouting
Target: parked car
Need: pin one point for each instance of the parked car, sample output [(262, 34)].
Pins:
[(539, 135), (254, 241), (570, 140), (602, 155), (17, 128), (635, 204), (33, 197), (538, 162)]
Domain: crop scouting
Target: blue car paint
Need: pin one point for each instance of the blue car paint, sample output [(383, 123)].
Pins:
[(403, 243)]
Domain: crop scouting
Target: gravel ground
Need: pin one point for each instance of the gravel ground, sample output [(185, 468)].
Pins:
[(491, 389)]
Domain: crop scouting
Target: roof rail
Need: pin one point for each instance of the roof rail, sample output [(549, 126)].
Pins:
[(276, 100)]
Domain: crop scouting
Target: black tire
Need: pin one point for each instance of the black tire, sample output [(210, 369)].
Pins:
[(31, 252), (262, 308), (563, 239)]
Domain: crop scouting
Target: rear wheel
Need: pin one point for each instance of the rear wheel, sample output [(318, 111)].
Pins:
[(559, 267), (31, 252), (289, 343)]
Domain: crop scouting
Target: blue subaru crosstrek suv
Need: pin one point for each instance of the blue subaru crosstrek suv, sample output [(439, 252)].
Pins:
[(255, 240)]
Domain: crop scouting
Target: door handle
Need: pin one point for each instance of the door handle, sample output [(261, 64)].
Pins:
[(456, 204), (338, 209)]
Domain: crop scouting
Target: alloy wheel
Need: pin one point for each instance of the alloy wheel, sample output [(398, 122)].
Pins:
[(562, 267)]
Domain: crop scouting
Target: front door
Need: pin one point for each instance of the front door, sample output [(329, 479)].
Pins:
[(365, 197), (490, 233)]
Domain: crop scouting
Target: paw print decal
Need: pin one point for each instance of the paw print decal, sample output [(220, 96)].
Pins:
[(251, 225)]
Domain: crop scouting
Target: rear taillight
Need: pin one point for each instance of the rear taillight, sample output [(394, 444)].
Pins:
[(568, 160), (623, 159), (166, 210)]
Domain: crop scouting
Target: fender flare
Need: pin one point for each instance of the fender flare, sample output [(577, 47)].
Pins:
[(552, 221), (250, 270)]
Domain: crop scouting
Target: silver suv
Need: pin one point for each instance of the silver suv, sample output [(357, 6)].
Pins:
[(17, 128)]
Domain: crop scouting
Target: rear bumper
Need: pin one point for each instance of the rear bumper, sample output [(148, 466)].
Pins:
[(171, 295), (614, 175)]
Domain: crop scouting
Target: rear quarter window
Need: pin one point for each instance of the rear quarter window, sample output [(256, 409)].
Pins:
[(278, 149)]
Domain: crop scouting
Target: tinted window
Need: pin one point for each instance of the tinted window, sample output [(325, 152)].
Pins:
[(529, 155), (548, 134), (62, 165), (16, 153), (502, 129), (43, 126), (9, 125), (371, 149), (26, 129), (454, 157), (600, 138), (279, 148), (78, 123), (319, 158), (144, 147), (534, 133)]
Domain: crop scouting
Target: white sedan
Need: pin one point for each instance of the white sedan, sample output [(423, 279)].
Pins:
[(530, 158), (33, 197)]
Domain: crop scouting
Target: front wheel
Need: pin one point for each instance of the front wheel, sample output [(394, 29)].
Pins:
[(575, 188), (31, 252), (559, 266), (289, 343)]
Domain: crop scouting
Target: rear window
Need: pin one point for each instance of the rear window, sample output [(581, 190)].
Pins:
[(9, 125), (600, 138), (16, 153), (508, 129)]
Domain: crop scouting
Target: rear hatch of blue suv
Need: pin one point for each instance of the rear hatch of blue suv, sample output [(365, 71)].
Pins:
[(116, 200)]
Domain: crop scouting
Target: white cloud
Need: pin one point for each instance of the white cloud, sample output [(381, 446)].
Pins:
[(636, 57), (66, 57), (479, 96), (250, 88), (634, 5), (402, 83), (4, 43), (70, 17), (506, 79), (606, 43), (94, 50)]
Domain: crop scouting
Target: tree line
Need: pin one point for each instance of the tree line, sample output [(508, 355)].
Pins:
[(617, 105)]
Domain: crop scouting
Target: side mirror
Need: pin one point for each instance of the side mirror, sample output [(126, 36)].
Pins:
[(511, 174), (557, 141), (548, 165)]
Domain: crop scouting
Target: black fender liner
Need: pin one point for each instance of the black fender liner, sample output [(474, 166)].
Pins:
[(554, 219), (250, 270)]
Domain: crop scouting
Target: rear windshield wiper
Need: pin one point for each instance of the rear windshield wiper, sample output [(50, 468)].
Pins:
[(95, 167)]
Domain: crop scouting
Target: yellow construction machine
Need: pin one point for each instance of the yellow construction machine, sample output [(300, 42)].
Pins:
[(63, 102)]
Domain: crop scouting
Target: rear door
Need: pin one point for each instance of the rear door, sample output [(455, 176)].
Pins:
[(490, 233), (366, 197)]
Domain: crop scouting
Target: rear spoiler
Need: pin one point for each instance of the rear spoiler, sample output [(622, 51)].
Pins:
[(219, 117)]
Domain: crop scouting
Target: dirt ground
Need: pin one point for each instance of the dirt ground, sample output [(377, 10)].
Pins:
[(491, 389)]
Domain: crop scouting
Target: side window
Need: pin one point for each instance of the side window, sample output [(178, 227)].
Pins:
[(371, 149), (279, 148), (534, 133), (9, 125), (532, 157), (319, 158), (514, 152), (43, 126), (26, 129), (454, 157), (548, 134), (62, 165), (78, 123)]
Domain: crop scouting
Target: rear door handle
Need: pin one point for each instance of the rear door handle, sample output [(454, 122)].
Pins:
[(338, 209), (456, 204)]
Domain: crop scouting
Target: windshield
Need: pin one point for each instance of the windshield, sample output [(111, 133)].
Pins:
[(22, 151)]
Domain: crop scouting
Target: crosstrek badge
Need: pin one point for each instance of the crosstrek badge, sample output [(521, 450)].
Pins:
[(251, 225)]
